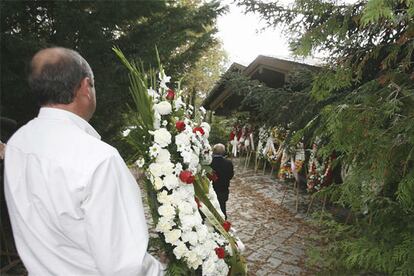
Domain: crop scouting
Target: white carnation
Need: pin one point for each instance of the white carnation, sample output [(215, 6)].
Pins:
[(184, 207), (166, 210), (172, 236), (186, 155), (180, 250), (178, 168), (158, 183), (167, 168), (171, 181), (163, 156), (162, 137), (164, 198), (164, 225), (209, 267), (163, 108), (155, 169), (190, 236), (193, 259), (182, 139)]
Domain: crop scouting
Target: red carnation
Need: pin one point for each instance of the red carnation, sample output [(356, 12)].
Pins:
[(199, 129), (212, 176), (170, 94), (220, 252), (198, 202), (187, 177), (180, 125), (226, 225)]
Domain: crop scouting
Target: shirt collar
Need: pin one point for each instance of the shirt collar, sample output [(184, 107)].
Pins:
[(57, 113)]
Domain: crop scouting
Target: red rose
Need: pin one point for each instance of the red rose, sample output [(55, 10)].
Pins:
[(170, 94), (199, 129), (198, 202), (180, 125), (226, 225), (220, 252), (187, 177), (212, 176)]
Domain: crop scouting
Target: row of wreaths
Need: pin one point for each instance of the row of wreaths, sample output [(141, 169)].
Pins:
[(301, 164)]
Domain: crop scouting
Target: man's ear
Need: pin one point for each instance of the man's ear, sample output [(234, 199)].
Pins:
[(84, 87)]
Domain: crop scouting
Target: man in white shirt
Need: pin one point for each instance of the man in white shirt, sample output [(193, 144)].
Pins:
[(74, 206)]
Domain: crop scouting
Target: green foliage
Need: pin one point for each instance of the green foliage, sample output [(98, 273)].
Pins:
[(182, 30), (363, 109), (220, 130)]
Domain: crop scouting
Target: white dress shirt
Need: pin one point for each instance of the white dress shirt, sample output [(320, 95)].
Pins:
[(74, 206)]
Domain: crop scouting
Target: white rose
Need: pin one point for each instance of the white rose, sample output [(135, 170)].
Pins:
[(171, 181), (162, 137), (163, 156), (163, 108), (180, 250), (172, 236)]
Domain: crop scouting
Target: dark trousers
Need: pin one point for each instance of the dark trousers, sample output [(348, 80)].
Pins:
[(222, 201)]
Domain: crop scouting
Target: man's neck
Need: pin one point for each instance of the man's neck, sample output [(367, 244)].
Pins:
[(68, 107)]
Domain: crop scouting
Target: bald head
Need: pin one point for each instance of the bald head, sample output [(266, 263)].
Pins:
[(55, 74), (219, 149)]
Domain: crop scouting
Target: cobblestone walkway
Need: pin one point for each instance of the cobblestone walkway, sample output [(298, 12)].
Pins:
[(274, 234)]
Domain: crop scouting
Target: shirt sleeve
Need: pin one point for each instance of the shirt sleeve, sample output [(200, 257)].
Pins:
[(116, 228)]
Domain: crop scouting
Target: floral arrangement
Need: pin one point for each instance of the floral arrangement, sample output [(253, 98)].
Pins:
[(174, 153), (264, 134), (320, 173)]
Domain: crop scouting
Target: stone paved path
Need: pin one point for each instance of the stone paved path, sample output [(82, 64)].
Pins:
[(274, 234)]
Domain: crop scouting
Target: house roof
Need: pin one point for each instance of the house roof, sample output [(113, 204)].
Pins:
[(271, 71)]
